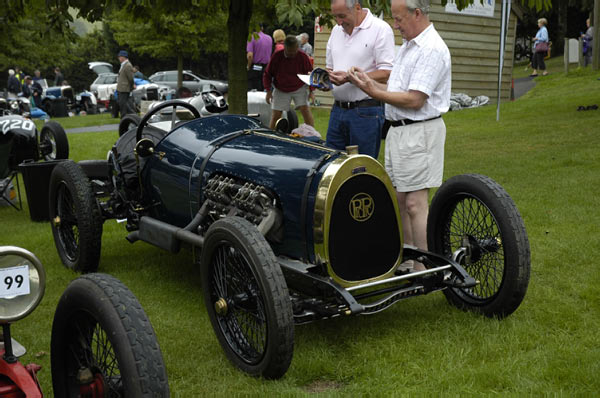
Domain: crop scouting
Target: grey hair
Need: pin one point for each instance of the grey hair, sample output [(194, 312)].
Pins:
[(422, 5), (304, 35), (350, 3)]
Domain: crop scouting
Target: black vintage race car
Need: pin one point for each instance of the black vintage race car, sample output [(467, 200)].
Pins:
[(288, 231), (21, 141)]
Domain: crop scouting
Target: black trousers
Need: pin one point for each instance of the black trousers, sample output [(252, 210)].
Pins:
[(255, 75), (538, 60), (124, 103)]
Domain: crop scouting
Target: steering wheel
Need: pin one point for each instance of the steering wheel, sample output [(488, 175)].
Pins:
[(174, 104)]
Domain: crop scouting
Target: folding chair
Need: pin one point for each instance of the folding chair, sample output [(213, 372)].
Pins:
[(8, 176)]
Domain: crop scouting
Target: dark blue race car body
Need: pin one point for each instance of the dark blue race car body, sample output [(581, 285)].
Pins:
[(293, 171), (287, 230)]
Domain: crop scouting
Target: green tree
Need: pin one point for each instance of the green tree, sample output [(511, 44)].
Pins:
[(163, 35), (239, 14), (29, 44)]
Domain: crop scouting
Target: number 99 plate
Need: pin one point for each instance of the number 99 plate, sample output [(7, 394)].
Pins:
[(14, 281)]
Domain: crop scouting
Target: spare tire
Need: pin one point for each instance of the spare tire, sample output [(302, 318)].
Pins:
[(128, 122), (125, 156)]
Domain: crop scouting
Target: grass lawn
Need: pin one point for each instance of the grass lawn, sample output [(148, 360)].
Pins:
[(554, 65), (546, 155)]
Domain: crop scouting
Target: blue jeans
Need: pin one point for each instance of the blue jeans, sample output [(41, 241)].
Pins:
[(357, 126)]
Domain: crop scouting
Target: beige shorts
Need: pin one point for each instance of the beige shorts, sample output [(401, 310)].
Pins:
[(414, 155), (282, 100)]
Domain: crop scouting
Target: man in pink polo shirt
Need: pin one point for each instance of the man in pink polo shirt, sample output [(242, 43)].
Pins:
[(282, 83), (358, 40), (258, 54)]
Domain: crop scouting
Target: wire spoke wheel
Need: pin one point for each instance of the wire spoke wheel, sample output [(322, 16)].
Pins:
[(103, 344), (473, 214), (54, 139), (75, 217), (92, 362), (247, 298), (472, 225), (68, 231), (49, 140), (244, 323)]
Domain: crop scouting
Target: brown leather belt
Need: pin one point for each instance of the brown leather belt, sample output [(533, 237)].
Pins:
[(406, 122), (366, 103)]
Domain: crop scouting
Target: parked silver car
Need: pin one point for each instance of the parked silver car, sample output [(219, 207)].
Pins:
[(191, 81)]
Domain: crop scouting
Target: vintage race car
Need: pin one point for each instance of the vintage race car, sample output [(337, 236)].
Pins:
[(21, 141), (15, 106), (288, 231), (84, 101)]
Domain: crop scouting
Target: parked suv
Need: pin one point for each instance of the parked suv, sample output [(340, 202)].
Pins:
[(190, 81)]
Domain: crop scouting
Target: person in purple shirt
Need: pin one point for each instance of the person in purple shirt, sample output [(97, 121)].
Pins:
[(258, 53)]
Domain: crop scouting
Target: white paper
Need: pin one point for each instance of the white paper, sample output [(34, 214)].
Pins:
[(305, 79)]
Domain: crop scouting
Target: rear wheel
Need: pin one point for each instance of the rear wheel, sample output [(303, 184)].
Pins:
[(475, 214), (75, 218), (47, 106), (103, 344), (247, 298), (53, 141)]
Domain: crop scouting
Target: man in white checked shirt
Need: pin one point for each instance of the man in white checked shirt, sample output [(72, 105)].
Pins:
[(416, 95)]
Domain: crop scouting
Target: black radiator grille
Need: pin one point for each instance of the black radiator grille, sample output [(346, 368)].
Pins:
[(364, 240), (152, 94)]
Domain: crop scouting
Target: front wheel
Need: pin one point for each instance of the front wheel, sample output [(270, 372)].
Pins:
[(53, 142), (75, 218), (89, 107), (103, 344), (473, 215), (247, 298)]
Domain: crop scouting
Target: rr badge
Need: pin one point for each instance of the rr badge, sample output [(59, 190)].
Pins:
[(361, 207)]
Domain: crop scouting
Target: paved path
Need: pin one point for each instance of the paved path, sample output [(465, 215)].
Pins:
[(523, 85), (92, 129)]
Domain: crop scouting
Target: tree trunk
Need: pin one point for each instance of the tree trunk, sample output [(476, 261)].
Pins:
[(558, 47), (240, 12)]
